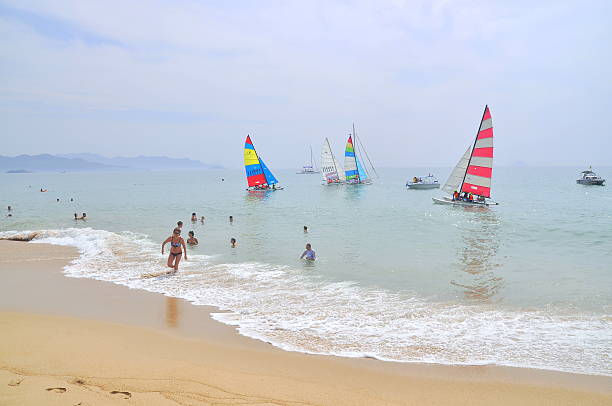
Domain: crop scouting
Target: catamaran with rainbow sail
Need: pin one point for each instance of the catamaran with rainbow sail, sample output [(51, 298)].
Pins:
[(469, 184), (259, 177), (329, 166), (355, 173)]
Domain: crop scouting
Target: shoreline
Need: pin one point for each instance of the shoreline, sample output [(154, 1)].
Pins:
[(51, 299)]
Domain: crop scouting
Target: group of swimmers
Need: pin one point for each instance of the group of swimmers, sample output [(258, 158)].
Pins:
[(466, 197), (178, 245)]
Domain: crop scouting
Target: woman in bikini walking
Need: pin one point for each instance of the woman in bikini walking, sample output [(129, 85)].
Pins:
[(176, 242)]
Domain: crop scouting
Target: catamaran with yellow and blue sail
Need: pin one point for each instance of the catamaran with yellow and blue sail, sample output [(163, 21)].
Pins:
[(259, 177), (355, 171)]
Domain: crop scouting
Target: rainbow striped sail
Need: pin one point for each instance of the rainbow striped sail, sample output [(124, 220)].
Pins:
[(350, 162), (257, 173)]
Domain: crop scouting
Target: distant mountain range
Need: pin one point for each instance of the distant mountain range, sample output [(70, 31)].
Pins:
[(86, 162)]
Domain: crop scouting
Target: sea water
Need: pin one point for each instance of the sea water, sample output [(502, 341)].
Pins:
[(526, 283)]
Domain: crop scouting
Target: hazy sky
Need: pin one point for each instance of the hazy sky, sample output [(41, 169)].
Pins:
[(191, 78)]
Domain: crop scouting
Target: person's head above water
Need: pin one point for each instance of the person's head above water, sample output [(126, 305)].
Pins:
[(191, 234), (75, 216), (308, 246), (84, 215), (179, 224), (9, 208), (233, 241), (231, 218), (305, 229)]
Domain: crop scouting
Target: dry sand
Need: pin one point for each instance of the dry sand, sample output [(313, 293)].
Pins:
[(66, 341)]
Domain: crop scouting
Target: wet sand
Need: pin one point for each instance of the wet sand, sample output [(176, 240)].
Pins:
[(67, 341)]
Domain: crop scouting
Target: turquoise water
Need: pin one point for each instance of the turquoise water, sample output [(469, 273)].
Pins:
[(525, 283)]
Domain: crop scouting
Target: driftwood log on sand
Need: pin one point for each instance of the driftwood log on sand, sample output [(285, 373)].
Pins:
[(21, 237)]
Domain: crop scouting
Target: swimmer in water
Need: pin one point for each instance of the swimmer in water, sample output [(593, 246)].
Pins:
[(305, 230), (194, 218), (192, 240), (309, 253), (176, 242), (233, 242), (179, 225), (202, 219), (231, 219)]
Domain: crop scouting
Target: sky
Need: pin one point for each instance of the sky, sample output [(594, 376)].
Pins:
[(191, 79)]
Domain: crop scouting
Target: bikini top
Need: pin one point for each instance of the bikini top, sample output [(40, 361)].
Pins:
[(175, 244)]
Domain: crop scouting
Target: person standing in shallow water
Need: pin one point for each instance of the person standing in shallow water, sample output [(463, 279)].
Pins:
[(305, 230), (309, 253), (194, 218), (176, 242), (233, 242), (231, 219)]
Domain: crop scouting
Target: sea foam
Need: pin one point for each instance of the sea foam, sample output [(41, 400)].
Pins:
[(299, 312)]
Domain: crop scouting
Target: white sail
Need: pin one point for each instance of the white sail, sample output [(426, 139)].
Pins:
[(456, 177), (329, 167)]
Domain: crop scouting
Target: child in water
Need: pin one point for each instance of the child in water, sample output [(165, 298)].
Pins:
[(192, 240), (309, 253)]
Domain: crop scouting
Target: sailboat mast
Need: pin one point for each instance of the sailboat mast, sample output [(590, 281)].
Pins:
[(333, 158), (355, 152), (473, 146)]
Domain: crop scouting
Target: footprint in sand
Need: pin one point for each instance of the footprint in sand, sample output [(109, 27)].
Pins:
[(56, 390), (15, 382), (126, 395)]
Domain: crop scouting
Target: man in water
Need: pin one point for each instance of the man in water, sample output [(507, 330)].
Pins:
[(309, 253), (233, 242), (194, 218), (231, 219), (305, 229), (179, 224)]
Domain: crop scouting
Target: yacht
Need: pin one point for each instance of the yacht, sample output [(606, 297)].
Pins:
[(590, 178)]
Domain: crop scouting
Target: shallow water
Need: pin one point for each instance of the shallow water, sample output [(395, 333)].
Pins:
[(526, 283)]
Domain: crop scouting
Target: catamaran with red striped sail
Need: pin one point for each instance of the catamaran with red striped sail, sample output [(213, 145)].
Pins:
[(469, 184), (259, 177)]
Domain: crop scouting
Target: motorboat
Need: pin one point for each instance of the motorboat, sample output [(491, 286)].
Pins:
[(590, 178), (425, 182)]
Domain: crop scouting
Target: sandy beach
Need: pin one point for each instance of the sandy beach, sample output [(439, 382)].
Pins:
[(68, 341)]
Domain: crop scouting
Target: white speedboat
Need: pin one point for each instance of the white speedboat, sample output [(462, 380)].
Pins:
[(590, 178), (425, 182)]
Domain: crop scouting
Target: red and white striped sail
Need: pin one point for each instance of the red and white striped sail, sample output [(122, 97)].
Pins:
[(480, 167)]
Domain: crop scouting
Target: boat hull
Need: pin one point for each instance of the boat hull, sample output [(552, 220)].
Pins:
[(449, 201), (423, 185), (597, 182)]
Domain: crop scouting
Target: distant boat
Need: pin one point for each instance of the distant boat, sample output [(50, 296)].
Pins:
[(309, 169), (259, 177), (355, 173), (329, 166), (590, 178), (425, 182), (472, 175)]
